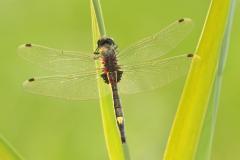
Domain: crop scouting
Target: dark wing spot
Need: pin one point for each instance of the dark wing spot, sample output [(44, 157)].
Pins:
[(31, 79), (190, 55), (28, 45), (180, 20)]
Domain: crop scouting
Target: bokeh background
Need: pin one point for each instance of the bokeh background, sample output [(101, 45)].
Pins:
[(43, 128)]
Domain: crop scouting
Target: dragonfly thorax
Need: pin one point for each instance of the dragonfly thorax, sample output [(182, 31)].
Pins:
[(109, 61), (106, 53)]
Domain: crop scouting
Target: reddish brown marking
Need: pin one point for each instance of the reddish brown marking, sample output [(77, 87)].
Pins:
[(105, 70)]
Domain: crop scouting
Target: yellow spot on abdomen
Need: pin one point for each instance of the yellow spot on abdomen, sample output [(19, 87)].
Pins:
[(120, 120)]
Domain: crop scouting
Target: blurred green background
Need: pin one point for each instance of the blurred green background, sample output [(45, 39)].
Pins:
[(43, 128)]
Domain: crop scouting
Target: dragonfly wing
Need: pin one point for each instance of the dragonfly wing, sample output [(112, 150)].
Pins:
[(153, 74), (158, 44), (56, 59), (74, 87)]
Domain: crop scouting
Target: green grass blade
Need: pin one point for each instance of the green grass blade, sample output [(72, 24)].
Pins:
[(111, 133), (206, 140), (186, 130), (7, 152)]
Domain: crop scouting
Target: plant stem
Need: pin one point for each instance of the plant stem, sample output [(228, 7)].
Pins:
[(221, 65), (99, 16)]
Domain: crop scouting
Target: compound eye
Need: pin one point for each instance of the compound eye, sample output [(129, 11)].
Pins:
[(105, 41), (110, 41)]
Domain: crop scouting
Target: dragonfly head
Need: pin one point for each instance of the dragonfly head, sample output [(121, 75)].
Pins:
[(104, 45), (106, 42)]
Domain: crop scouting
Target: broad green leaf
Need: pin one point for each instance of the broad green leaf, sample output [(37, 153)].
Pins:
[(206, 139), (186, 130)]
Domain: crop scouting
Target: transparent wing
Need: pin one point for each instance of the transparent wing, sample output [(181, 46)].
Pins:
[(75, 87), (158, 44), (153, 74), (57, 60)]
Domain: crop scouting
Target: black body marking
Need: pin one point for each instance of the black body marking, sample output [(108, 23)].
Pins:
[(119, 75), (105, 77)]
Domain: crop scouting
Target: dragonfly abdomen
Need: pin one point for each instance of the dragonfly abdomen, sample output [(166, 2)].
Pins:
[(117, 105)]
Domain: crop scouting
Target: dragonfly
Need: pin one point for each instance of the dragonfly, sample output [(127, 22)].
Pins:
[(140, 67)]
